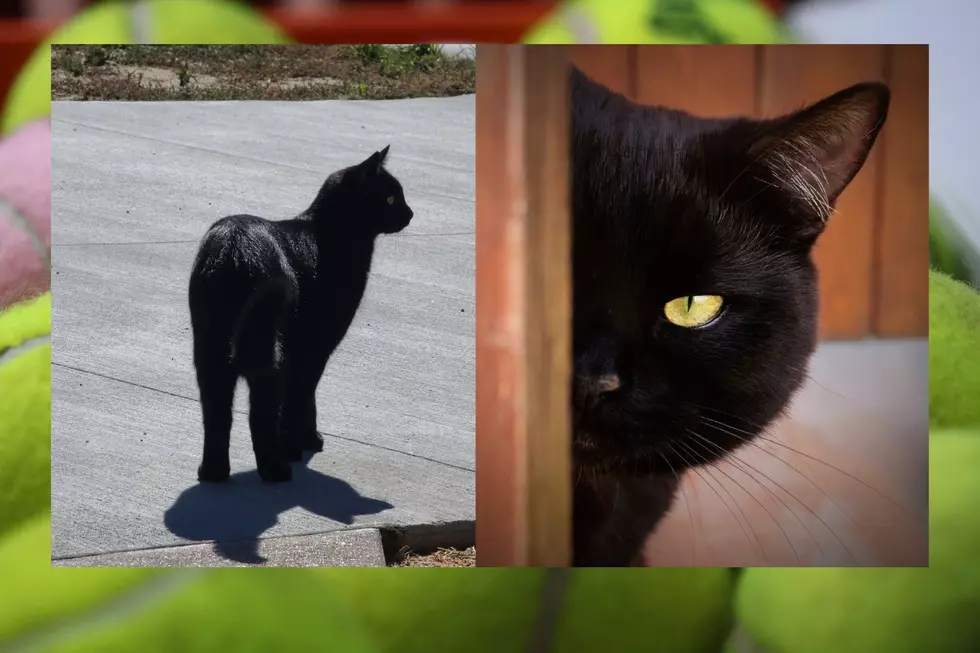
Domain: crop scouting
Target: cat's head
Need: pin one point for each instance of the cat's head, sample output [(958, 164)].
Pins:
[(372, 194), (695, 296)]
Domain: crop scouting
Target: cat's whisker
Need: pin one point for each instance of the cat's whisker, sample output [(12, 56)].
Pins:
[(750, 440), (687, 505), (728, 458), (725, 428), (808, 509), (687, 463), (825, 388), (702, 407), (703, 441), (803, 475), (696, 469)]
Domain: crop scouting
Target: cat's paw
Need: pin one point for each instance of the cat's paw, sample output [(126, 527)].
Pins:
[(275, 472), (213, 473), (312, 441)]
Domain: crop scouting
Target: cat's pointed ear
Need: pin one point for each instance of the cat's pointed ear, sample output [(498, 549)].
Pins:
[(371, 166), (815, 153), (382, 155)]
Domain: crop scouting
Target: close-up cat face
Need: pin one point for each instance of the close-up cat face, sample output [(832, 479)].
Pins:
[(695, 297)]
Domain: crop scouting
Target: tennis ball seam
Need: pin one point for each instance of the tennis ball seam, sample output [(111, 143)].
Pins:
[(19, 323), (10, 353), (741, 641), (25, 225), (113, 611), (141, 21), (580, 24)]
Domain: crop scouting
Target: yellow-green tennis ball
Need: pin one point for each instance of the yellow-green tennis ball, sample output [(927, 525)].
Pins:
[(419, 610), (954, 352), (896, 610), (947, 252), (494, 609), (120, 610), (658, 21), (627, 610), (25, 411), (147, 21)]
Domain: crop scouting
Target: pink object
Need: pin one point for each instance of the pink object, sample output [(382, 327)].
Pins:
[(25, 213)]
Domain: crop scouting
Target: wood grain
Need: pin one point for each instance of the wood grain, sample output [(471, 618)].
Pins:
[(548, 287), (612, 65), (901, 297), (707, 80), (523, 321), (499, 317)]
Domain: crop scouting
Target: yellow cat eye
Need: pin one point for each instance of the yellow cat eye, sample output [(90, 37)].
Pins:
[(693, 310), (391, 200)]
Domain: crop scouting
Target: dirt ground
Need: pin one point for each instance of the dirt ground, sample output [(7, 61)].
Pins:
[(257, 72), (439, 558)]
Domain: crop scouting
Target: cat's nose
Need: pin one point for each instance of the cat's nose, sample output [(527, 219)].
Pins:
[(596, 376), (590, 389)]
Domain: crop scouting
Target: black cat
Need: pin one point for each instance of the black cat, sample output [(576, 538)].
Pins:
[(271, 300), (695, 296)]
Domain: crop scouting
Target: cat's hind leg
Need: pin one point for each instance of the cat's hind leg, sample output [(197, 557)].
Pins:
[(302, 369), (299, 432), (216, 379), (263, 421), (310, 439)]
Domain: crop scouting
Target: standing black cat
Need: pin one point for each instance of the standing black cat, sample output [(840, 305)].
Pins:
[(271, 300), (695, 296)]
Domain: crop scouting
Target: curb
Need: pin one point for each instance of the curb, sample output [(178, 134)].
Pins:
[(427, 538), (355, 547), (350, 547)]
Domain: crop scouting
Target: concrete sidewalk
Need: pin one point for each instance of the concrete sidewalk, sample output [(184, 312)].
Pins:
[(135, 185)]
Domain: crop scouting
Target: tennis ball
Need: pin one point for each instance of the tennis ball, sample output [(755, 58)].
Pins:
[(119, 610), (954, 352), (497, 609), (658, 21), (946, 250), (676, 610), (147, 21), (887, 609), (25, 411), (417, 610), (25, 213)]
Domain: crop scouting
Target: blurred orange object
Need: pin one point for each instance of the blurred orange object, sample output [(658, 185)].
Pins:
[(18, 38), (482, 22), (478, 22)]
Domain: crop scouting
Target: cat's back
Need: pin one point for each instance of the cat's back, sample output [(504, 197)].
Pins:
[(247, 243)]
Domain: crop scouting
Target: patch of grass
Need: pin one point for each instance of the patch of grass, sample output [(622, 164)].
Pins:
[(438, 558), (257, 72)]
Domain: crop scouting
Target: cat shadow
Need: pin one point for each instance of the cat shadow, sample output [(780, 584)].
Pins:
[(234, 514)]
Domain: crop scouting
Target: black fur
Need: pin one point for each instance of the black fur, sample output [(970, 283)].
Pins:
[(271, 300), (668, 205)]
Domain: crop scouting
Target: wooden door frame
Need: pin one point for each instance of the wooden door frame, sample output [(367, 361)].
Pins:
[(523, 321)]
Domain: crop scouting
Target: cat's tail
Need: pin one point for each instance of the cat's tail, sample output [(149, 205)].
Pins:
[(256, 345)]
